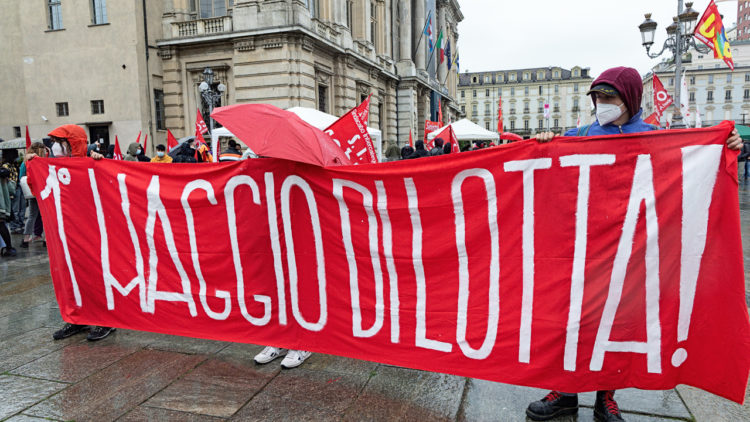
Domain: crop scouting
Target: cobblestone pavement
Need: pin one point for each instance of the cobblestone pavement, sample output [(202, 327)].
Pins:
[(139, 376)]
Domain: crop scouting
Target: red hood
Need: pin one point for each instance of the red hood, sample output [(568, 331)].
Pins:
[(628, 82), (76, 137)]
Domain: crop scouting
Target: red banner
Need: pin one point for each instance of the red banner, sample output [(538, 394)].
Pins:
[(352, 129), (578, 264)]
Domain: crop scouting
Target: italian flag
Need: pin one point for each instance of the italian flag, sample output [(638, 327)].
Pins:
[(440, 46)]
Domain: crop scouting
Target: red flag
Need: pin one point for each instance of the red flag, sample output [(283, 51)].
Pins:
[(171, 140), (145, 141), (118, 153), (199, 139), (28, 138), (430, 126), (667, 124), (351, 128), (364, 112), (138, 139), (411, 140), (662, 100), (710, 31), (440, 111), (448, 136), (653, 119), (500, 115), (200, 125)]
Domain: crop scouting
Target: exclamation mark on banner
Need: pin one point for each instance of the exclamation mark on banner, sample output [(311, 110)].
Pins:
[(699, 170)]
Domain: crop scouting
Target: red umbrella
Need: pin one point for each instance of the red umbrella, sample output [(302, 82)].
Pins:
[(511, 136), (272, 132)]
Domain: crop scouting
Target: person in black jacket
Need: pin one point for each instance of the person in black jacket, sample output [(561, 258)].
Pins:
[(745, 156), (184, 153), (419, 150), (406, 152)]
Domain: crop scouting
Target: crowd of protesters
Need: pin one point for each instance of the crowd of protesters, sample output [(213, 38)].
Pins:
[(439, 148)]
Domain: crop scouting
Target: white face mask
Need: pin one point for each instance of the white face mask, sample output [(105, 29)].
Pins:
[(160, 153), (608, 113), (58, 150)]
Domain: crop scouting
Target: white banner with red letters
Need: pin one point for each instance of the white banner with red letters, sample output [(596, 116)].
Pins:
[(579, 264)]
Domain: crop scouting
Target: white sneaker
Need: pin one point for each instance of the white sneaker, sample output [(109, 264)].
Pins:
[(268, 354), (294, 358)]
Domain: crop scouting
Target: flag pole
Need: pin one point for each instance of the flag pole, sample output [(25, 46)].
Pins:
[(421, 34)]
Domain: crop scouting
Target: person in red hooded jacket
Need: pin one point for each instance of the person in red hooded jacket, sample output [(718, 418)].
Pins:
[(616, 94), (71, 141)]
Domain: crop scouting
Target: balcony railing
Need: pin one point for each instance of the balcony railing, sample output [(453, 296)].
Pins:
[(202, 27)]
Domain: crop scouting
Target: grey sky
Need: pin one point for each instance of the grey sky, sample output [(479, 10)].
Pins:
[(504, 34)]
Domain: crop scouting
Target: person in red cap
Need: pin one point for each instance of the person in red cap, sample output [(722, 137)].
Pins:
[(616, 94), (71, 141)]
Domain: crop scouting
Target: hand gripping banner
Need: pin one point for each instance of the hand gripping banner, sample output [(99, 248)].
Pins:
[(578, 265)]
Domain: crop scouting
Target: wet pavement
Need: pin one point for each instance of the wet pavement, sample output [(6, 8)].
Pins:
[(139, 376)]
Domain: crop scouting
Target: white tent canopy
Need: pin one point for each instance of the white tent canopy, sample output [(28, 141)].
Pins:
[(17, 143), (322, 120), (222, 132), (466, 130)]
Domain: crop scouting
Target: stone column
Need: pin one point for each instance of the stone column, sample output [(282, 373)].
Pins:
[(404, 35), (417, 26), (406, 100), (441, 68)]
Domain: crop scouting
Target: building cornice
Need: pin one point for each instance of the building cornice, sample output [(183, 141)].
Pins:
[(170, 44)]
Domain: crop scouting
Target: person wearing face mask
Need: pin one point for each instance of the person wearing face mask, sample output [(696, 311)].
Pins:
[(616, 93), (142, 157), (70, 141), (161, 155), (134, 149)]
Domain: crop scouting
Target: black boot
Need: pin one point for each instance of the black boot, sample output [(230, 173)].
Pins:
[(552, 406), (605, 407)]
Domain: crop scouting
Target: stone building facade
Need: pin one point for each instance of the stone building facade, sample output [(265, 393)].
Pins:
[(524, 93), (129, 66), (323, 54), (79, 61)]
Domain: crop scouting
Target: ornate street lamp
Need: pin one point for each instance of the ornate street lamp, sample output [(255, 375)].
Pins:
[(210, 96), (679, 40)]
